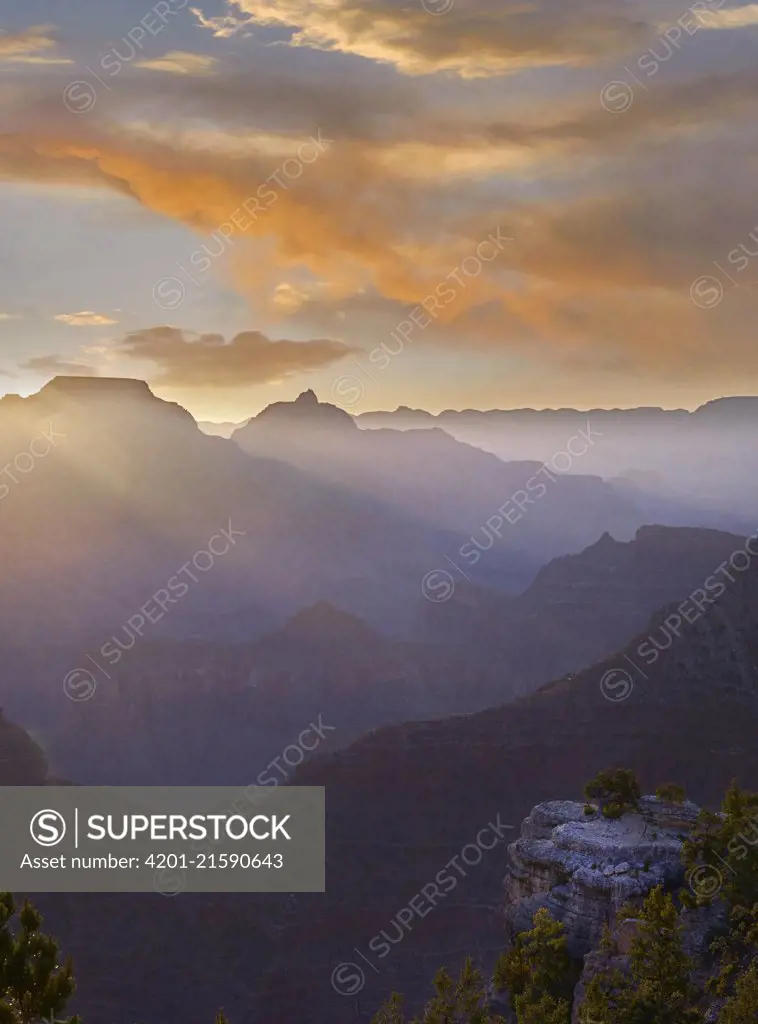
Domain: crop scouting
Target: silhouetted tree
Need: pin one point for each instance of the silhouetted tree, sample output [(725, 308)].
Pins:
[(34, 986), (455, 1002)]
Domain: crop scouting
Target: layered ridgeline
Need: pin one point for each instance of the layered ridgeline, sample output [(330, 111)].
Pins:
[(405, 801), (513, 515), (297, 633), (170, 706), (111, 498), (661, 450), (435, 480)]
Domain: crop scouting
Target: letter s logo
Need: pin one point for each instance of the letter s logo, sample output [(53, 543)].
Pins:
[(47, 828)]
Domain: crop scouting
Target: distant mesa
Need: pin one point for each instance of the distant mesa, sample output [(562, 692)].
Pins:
[(116, 398), (98, 386)]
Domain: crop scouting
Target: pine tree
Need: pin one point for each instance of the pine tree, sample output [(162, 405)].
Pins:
[(391, 1012), (538, 974), (721, 853), (660, 967), (33, 985), (742, 1007), (545, 1010), (455, 1002), (603, 999), (657, 989)]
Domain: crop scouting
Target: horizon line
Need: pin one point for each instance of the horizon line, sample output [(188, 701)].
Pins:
[(83, 380)]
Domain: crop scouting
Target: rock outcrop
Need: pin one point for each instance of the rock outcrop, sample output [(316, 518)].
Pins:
[(583, 867)]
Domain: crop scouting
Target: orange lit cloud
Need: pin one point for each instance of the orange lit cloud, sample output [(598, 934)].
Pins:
[(477, 38), (613, 217)]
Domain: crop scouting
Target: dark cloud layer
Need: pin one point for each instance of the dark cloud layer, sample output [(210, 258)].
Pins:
[(210, 361)]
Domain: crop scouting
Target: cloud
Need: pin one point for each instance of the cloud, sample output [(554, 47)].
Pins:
[(59, 365), (85, 319), (326, 220), (207, 360), (290, 297), (614, 215), (222, 27), (739, 17), (180, 62), (604, 215), (30, 46), (475, 38), (10, 316), (390, 212)]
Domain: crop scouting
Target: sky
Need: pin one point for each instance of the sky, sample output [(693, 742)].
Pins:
[(430, 203)]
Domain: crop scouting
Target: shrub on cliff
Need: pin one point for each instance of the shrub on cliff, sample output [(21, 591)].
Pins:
[(671, 793), (616, 790)]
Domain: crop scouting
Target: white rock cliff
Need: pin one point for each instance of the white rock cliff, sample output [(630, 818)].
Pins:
[(584, 868)]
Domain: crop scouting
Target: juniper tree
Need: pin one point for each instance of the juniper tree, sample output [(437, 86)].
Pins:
[(616, 789)]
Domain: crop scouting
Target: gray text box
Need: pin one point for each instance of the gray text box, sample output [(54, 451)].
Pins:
[(167, 839)]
